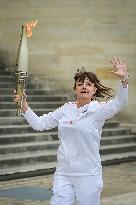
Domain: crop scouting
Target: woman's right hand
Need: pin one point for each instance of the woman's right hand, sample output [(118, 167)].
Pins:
[(24, 104)]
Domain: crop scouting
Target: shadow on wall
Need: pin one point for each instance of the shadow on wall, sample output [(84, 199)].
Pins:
[(4, 61)]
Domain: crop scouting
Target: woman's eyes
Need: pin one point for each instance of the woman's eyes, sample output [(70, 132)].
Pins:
[(89, 84), (79, 84)]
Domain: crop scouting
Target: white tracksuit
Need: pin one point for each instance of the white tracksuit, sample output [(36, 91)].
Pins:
[(79, 172)]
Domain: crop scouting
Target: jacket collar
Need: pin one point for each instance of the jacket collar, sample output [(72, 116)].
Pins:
[(91, 107)]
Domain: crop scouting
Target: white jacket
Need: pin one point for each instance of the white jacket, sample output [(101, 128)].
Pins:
[(79, 132)]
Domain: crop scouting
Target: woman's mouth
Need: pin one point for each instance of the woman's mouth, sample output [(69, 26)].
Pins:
[(84, 91)]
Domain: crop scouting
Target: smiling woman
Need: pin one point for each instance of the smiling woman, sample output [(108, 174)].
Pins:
[(78, 173)]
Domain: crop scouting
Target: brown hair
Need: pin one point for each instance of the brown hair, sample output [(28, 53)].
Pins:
[(102, 91)]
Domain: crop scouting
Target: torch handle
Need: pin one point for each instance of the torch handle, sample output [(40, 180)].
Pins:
[(21, 85), (20, 91)]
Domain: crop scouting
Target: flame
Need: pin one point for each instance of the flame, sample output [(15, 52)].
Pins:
[(29, 27)]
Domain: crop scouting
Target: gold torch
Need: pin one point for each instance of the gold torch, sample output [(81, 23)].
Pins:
[(22, 64)]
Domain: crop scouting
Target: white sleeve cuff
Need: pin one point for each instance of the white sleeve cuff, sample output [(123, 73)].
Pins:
[(27, 113)]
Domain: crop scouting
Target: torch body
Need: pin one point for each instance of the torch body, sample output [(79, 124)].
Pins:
[(22, 64)]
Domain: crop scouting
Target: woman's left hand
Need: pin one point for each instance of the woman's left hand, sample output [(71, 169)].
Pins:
[(120, 67)]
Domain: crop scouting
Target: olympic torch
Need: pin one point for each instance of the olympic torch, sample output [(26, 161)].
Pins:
[(22, 64)]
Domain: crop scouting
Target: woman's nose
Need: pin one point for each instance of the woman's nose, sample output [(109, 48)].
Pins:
[(84, 85)]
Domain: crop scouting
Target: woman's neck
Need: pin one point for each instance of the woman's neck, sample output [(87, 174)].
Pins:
[(82, 102)]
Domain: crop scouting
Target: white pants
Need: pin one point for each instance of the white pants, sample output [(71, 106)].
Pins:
[(86, 190)]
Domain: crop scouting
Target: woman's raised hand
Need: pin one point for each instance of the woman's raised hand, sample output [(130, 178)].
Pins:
[(120, 67)]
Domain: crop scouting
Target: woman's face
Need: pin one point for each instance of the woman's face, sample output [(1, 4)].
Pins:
[(85, 90)]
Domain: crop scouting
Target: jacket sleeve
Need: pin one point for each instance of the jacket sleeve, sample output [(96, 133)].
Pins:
[(112, 107), (44, 122)]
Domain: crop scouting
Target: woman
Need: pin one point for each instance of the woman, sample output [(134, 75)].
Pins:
[(78, 173)]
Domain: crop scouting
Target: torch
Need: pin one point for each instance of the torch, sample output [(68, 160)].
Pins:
[(21, 72)]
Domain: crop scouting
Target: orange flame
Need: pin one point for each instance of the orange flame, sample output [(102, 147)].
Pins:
[(29, 27)]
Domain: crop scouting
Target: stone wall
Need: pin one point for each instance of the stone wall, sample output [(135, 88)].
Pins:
[(71, 34)]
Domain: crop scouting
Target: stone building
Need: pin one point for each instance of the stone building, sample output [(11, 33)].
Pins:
[(71, 34)]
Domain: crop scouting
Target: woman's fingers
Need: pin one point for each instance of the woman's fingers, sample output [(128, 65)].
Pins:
[(16, 98), (113, 61), (125, 61), (114, 65), (118, 61)]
